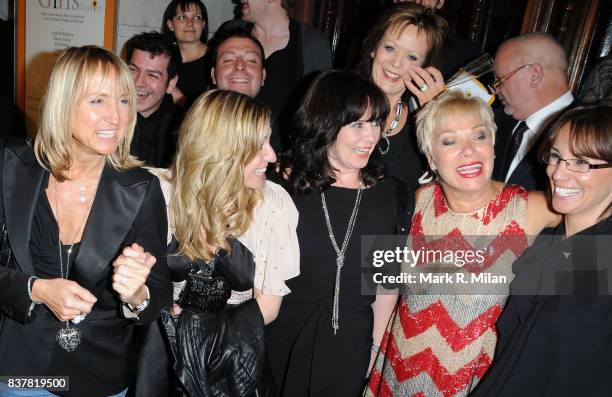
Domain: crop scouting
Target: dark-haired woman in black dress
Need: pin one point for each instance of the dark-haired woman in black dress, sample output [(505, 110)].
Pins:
[(321, 342)]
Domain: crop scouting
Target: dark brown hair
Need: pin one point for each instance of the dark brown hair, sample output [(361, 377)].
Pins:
[(590, 132)]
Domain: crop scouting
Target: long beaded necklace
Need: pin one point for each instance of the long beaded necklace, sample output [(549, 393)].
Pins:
[(340, 251), (394, 123), (68, 338)]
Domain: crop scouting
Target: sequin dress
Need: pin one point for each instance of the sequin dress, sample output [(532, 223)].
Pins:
[(442, 337)]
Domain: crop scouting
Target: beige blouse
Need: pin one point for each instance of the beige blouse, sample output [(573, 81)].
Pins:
[(271, 238)]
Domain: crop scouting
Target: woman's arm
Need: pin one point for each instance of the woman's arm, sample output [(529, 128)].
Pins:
[(383, 308), (269, 305), (539, 214)]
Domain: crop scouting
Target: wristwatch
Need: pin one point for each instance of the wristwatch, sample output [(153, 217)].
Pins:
[(143, 305)]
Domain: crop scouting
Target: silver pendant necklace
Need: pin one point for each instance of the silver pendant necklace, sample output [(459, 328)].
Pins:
[(394, 123), (68, 338), (340, 251)]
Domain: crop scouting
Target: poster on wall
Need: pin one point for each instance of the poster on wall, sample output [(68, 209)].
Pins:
[(50, 27)]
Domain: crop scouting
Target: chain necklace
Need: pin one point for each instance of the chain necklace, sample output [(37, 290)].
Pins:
[(394, 123), (68, 338), (340, 251)]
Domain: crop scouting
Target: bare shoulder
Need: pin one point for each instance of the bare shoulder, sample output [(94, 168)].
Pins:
[(540, 214)]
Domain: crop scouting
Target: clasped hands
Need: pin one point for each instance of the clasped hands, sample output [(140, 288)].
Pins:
[(67, 300)]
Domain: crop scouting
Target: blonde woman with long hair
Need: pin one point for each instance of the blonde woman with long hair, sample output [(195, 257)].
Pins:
[(234, 234), (83, 236)]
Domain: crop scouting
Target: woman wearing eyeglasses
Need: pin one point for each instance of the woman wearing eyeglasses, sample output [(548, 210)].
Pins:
[(555, 334)]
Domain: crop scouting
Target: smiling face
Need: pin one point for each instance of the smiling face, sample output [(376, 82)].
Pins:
[(583, 197), (150, 74), (255, 170), (462, 153), (394, 55), (100, 120), (354, 144), (239, 66), (187, 25)]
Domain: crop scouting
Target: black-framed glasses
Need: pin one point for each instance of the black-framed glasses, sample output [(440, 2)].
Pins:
[(494, 86), (577, 165)]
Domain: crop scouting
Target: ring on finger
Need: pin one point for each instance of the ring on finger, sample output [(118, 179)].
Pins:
[(423, 87), (78, 318), (123, 279)]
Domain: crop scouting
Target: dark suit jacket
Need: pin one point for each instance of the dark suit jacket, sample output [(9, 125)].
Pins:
[(530, 172), (128, 207)]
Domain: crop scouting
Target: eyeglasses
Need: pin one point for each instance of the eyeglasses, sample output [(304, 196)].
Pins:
[(577, 165), (501, 80)]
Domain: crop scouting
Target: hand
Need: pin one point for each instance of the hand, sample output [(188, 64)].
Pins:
[(65, 298), (131, 271), (420, 77)]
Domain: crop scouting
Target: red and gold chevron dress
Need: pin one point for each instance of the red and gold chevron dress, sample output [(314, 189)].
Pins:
[(441, 343)]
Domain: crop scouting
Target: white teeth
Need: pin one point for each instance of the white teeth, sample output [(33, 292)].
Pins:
[(240, 81), (260, 171), (392, 75), (469, 169), (359, 150), (107, 134), (141, 94), (566, 191)]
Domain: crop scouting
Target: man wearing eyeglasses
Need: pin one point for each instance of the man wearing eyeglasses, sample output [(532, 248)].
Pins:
[(532, 85)]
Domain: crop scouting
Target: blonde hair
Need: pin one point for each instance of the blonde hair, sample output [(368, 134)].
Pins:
[(222, 132), (448, 105), (73, 73)]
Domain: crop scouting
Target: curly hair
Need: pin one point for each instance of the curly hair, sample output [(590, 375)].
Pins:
[(333, 100), (222, 132)]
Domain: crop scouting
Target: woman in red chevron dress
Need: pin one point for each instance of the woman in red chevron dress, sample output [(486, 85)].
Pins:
[(468, 230)]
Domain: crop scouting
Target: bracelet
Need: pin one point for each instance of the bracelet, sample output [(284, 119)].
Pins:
[(375, 348), (143, 305), (30, 282)]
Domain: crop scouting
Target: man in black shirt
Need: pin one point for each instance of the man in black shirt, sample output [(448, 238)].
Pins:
[(153, 60)]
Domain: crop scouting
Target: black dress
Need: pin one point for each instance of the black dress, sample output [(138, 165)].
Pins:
[(305, 356), (404, 160), (193, 78), (555, 336)]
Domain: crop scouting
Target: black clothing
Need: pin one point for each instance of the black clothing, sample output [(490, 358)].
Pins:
[(44, 239), (284, 69), (530, 173), (155, 137), (557, 345), (128, 208), (215, 349), (193, 78), (404, 160), (305, 356)]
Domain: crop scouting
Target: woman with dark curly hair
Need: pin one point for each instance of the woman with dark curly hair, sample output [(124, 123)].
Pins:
[(320, 344)]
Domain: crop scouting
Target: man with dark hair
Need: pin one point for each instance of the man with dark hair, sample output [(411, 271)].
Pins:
[(153, 61), (237, 59)]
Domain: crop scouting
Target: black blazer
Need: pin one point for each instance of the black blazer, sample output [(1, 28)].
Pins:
[(128, 207), (530, 172)]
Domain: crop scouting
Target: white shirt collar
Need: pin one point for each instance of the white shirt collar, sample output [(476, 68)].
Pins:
[(542, 117)]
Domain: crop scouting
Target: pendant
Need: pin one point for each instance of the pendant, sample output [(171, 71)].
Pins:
[(68, 338)]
